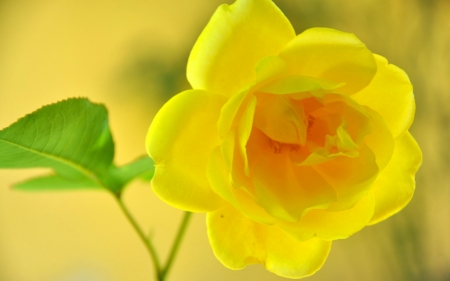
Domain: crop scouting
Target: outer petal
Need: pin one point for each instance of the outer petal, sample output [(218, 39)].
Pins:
[(394, 188), (332, 225), (380, 140), (180, 140), (332, 55), (236, 38), (238, 241), (391, 95)]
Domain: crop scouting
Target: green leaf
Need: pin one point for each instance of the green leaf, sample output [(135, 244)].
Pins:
[(56, 182), (116, 178), (142, 167), (71, 136)]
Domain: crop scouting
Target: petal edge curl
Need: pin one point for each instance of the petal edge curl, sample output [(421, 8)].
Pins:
[(236, 38), (395, 186), (391, 95), (332, 225), (332, 55), (238, 241), (180, 139), (380, 140)]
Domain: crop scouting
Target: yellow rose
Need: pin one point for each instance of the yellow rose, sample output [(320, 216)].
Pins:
[(288, 142)]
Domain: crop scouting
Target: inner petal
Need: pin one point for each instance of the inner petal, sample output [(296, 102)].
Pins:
[(336, 128), (281, 119), (287, 191), (294, 151), (351, 177), (358, 120)]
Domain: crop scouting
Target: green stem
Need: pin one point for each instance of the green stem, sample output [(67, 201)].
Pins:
[(148, 244), (161, 272), (176, 245)]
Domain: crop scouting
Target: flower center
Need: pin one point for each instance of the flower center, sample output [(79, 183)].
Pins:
[(278, 147), (311, 127)]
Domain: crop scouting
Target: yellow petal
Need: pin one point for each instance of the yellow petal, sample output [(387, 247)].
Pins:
[(244, 130), (297, 84), (236, 164), (255, 146), (332, 225), (236, 38), (227, 147), (269, 67), (237, 115), (394, 188), (280, 119), (286, 191), (219, 178), (380, 140), (391, 95), (351, 178), (344, 141), (238, 241), (230, 110), (180, 140), (331, 55), (342, 110)]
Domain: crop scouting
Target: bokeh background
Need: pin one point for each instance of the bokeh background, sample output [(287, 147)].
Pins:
[(131, 55)]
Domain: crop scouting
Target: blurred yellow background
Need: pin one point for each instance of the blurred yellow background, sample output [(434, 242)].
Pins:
[(131, 56)]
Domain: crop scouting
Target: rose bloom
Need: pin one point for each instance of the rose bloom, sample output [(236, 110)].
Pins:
[(287, 142)]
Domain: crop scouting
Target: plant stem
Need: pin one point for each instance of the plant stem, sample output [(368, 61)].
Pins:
[(161, 272), (176, 244), (148, 244)]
